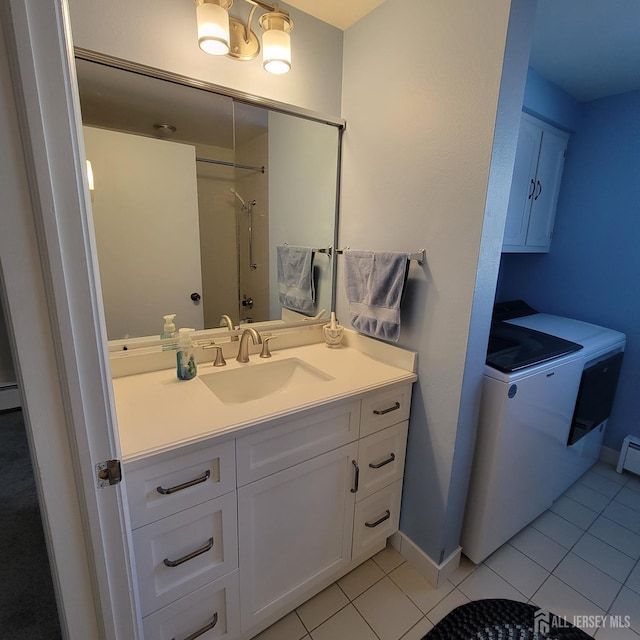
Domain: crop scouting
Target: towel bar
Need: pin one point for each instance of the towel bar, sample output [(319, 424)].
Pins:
[(420, 256)]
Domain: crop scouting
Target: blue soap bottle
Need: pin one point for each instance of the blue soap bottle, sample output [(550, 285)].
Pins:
[(185, 357)]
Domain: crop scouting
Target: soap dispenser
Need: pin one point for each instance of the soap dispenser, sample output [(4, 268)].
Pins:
[(168, 331), (185, 358)]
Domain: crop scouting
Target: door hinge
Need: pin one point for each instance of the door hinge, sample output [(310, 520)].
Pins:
[(109, 473)]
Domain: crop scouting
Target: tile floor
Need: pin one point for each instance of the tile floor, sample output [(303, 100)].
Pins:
[(578, 558)]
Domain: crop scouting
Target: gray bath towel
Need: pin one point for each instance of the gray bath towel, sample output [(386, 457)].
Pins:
[(296, 290), (374, 282)]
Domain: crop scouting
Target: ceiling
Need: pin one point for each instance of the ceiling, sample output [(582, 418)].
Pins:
[(589, 48)]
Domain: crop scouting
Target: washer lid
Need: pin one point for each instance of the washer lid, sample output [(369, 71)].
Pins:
[(513, 347)]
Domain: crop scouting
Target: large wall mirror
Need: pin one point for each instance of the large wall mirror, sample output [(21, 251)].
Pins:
[(193, 192)]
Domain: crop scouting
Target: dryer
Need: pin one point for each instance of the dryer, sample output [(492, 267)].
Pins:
[(527, 450)]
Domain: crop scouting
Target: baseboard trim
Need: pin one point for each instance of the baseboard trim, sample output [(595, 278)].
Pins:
[(609, 456), (436, 574), (10, 397)]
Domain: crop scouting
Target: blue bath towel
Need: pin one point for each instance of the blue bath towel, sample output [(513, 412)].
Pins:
[(296, 290), (374, 283)]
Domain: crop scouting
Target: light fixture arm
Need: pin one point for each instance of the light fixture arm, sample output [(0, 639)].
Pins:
[(247, 29), (267, 6)]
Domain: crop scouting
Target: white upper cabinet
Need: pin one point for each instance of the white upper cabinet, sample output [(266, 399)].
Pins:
[(535, 187)]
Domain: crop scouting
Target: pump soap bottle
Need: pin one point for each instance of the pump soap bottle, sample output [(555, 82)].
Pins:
[(168, 331), (185, 358)]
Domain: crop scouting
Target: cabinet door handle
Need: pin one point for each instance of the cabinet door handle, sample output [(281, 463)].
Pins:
[(377, 465), (539, 192), (189, 556), (356, 476), (381, 412), (203, 478), (200, 632), (533, 188), (386, 516)]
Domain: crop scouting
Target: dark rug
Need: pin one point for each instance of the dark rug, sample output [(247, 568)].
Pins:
[(27, 603), (503, 620)]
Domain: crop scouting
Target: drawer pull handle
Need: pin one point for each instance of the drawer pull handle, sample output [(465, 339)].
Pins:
[(386, 516), (203, 478), (390, 459), (381, 412), (189, 556), (199, 632), (356, 477)]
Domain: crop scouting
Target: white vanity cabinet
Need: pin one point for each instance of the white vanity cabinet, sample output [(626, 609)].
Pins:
[(230, 536), (535, 187), (318, 498), (183, 513)]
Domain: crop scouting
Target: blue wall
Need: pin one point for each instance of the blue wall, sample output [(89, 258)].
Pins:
[(593, 270)]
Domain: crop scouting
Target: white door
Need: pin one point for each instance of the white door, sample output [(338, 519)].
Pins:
[(146, 195), (294, 528), (56, 323)]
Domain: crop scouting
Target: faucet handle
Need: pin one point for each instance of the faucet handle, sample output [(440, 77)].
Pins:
[(265, 353), (219, 359)]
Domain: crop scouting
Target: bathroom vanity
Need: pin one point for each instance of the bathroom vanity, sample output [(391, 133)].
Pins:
[(246, 499)]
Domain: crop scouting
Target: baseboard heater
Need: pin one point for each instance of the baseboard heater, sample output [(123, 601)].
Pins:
[(629, 455)]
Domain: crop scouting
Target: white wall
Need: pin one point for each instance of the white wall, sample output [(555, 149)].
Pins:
[(417, 153), (163, 34)]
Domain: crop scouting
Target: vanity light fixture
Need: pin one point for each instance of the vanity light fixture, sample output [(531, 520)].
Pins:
[(221, 34)]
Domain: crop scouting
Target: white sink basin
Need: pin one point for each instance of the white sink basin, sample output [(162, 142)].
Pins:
[(258, 380)]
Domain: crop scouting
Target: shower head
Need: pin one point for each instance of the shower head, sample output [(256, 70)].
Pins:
[(237, 195)]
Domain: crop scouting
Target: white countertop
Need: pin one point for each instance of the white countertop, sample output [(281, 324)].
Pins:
[(156, 411)]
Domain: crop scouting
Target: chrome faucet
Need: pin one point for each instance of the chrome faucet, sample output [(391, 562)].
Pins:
[(243, 348), (225, 321)]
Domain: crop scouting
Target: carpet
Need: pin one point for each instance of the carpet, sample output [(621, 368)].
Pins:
[(28, 608), (499, 619)]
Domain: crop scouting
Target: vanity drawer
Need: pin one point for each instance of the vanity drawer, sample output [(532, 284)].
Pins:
[(194, 615), (376, 518), (293, 441), (163, 488), (383, 408), (182, 552), (381, 459)]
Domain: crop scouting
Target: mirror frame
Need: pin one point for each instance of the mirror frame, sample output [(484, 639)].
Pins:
[(246, 98)]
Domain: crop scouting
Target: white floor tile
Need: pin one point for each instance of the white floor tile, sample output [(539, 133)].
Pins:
[(592, 583), (626, 516), (600, 484), (321, 607), (540, 548), (603, 556), (418, 632), (587, 497), (388, 559), (633, 581), (609, 471), (574, 512), (560, 599), (462, 571), (617, 536), (558, 529), (628, 604), (347, 624), (517, 569), (287, 628), (453, 600), (629, 498), (423, 594), (360, 579), (388, 611), (633, 482), (485, 583), (611, 633)]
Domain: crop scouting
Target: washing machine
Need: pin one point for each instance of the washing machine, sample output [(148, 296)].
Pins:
[(548, 389)]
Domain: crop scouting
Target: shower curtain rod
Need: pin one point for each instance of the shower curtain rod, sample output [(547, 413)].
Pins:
[(230, 164)]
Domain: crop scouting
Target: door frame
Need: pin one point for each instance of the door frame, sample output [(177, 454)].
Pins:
[(48, 270)]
